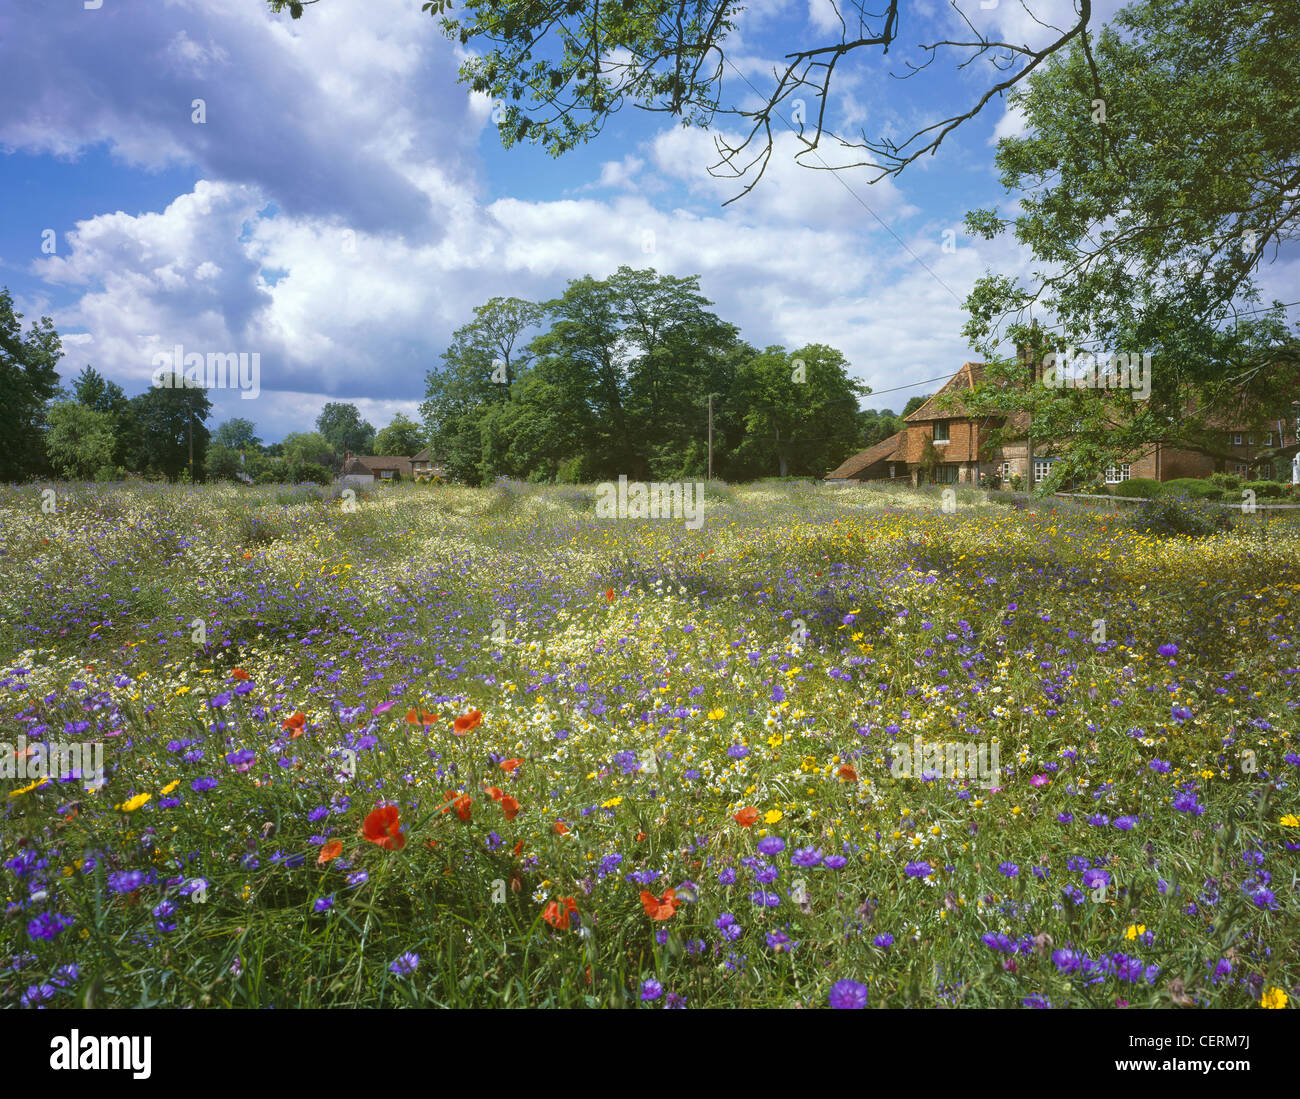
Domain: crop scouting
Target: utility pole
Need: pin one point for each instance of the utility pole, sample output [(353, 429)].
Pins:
[(710, 438)]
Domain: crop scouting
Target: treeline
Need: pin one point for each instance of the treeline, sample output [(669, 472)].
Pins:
[(614, 377)]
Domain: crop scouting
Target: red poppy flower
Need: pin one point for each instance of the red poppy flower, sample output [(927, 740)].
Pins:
[(561, 829), (557, 914), (609, 596), (847, 773), (239, 673), (492, 792), (640, 836), (509, 806), (519, 847), (460, 802), (294, 723), (382, 827), (509, 765), (329, 851), (746, 817), (658, 909), (420, 717), (463, 725)]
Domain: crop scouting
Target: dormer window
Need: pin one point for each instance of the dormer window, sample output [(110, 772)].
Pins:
[(941, 431)]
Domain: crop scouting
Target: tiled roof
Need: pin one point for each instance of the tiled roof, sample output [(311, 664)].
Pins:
[(967, 377), (881, 452)]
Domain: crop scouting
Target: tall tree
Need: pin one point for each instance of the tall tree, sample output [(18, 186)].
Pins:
[(800, 410), (480, 367), (402, 436), (164, 422), (310, 447), (237, 433), (28, 379), (344, 429), (96, 392), (1157, 172)]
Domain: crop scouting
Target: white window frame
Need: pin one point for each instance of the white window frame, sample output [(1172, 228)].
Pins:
[(1117, 474), (1241, 469), (1046, 470), (1006, 472), (1236, 438), (946, 436)]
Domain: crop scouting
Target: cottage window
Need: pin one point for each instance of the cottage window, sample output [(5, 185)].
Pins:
[(941, 431), (1236, 438), (1117, 474), (1006, 471), (1241, 469), (1041, 470)]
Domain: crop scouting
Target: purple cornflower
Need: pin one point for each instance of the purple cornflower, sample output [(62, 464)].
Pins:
[(48, 924), (126, 881), (1094, 878), (771, 845), (848, 994), (651, 989), (806, 856), (1008, 869), (323, 904), (405, 965), (918, 870), (241, 760), (884, 941)]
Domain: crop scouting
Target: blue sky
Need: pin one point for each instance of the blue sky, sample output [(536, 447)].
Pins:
[(346, 203)]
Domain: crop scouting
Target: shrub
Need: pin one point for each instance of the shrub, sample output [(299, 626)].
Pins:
[(1195, 487), (1144, 487), (1226, 480), (1265, 489), (310, 471), (1180, 515)]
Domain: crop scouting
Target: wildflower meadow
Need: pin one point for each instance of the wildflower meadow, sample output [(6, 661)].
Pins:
[(439, 746)]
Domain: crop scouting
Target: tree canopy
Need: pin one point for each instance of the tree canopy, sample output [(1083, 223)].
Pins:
[(1157, 172), (618, 381)]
